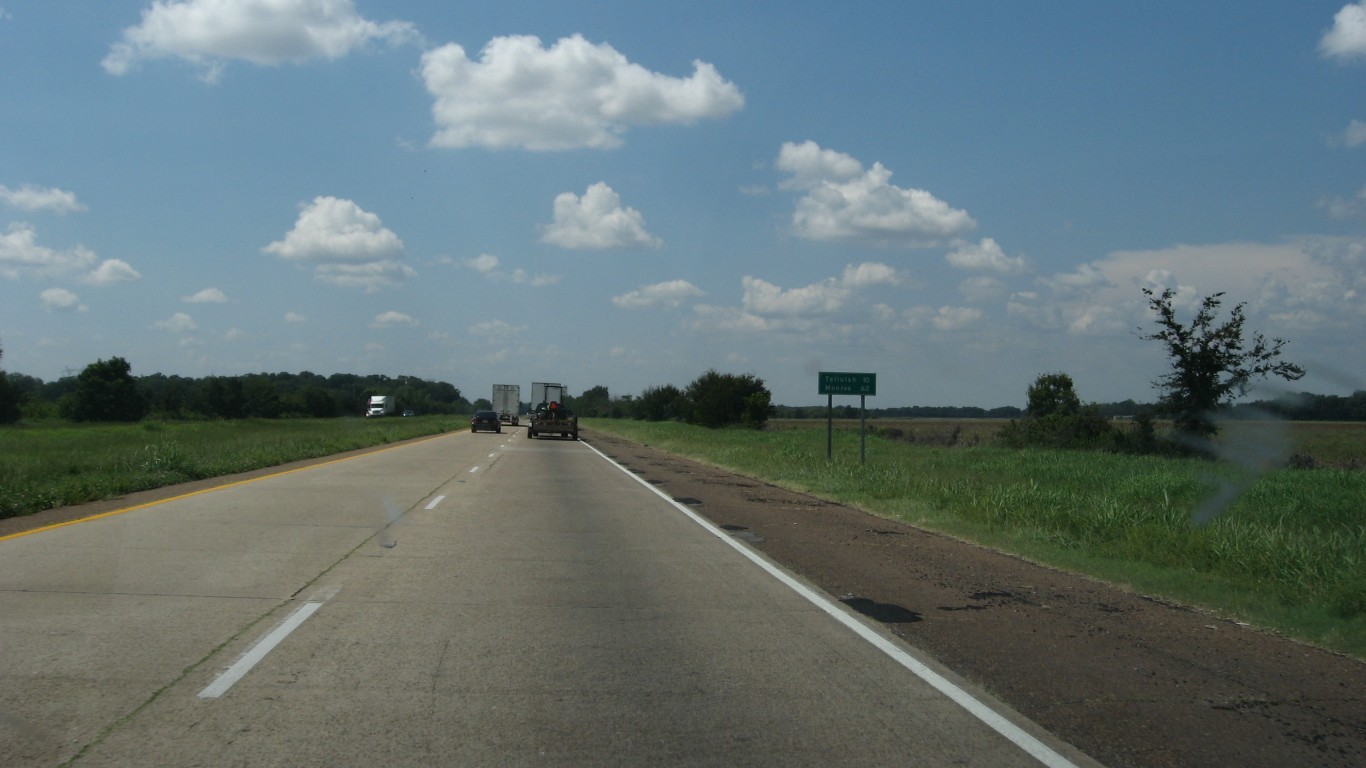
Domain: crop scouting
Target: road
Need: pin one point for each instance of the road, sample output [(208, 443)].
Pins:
[(473, 599)]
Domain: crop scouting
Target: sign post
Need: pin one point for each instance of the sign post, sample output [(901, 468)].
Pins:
[(831, 383)]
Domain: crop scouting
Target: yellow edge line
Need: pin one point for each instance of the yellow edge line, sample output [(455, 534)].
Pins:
[(224, 486)]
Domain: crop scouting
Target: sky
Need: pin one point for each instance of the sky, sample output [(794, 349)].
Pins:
[(955, 197)]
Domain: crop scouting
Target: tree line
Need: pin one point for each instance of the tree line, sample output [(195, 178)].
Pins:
[(106, 390)]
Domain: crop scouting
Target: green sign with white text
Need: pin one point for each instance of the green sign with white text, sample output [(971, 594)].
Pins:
[(835, 383)]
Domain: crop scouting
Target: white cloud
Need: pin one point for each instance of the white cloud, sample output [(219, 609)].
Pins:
[(1307, 284), (1347, 38), (982, 288), (986, 256), (393, 319), (111, 271), (707, 317), (486, 264), (845, 202), (597, 221), (670, 294), (177, 323), (1344, 208), (61, 300), (572, 94), (496, 330), (348, 246), (825, 297), (295, 318), (1355, 135), (32, 199), (209, 33), (20, 254), (207, 296), (955, 318)]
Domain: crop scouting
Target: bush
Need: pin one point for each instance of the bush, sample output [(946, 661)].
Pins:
[(724, 399)]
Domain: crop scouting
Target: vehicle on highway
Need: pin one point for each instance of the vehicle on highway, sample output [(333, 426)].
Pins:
[(485, 420), (409, 412), (553, 419)]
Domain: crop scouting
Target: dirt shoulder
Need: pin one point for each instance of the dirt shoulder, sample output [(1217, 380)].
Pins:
[(1129, 680), (1126, 679)]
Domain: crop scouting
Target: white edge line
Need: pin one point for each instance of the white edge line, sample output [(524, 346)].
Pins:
[(257, 652), (1025, 741), (432, 504)]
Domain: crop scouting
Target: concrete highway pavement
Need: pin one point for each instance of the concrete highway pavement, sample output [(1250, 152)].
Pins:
[(474, 599)]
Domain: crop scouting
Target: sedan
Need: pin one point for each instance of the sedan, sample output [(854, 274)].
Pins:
[(485, 420)]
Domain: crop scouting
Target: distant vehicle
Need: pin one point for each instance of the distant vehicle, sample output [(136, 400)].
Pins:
[(507, 402), (409, 412), (549, 414), (381, 405), (485, 420)]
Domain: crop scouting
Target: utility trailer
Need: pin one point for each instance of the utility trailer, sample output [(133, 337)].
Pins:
[(549, 415)]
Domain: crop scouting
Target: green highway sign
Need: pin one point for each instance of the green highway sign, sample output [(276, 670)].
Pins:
[(835, 383)]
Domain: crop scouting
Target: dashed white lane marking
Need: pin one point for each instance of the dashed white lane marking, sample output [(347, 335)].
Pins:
[(473, 470), (432, 504), (992, 719), (257, 652)]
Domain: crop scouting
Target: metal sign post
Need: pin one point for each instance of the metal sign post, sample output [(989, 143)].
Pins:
[(831, 383)]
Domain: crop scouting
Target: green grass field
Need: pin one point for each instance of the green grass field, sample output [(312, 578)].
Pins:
[(53, 465), (1280, 548)]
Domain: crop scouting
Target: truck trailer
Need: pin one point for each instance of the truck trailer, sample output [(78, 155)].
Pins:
[(507, 402)]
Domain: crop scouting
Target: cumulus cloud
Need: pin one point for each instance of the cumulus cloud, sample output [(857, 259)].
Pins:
[(207, 296), (670, 294), (111, 271), (1344, 208), (347, 245), (295, 318), (209, 33), (570, 95), (1305, 283), (21, 255), (826, 297), (842, 201), (1355, 135), (986, 256), (61, 300), (487, 264), (177, 323), (33, 199), (1347, 38), (597, 221), (393, 319), (496, 330)]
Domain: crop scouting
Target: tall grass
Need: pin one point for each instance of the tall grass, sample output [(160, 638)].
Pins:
[(52, 465), (1279, 547)]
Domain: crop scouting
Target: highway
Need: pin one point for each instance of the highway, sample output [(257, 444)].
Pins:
[(471, 599)]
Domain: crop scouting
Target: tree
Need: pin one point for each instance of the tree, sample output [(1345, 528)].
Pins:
[(1211, 363), (718, 400), (1056, 418), (1052, 394), (105, 391), (664, 403), (10, 411)]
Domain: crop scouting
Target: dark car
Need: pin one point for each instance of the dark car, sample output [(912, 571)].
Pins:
[(485, 420)]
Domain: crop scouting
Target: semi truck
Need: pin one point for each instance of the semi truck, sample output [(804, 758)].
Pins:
[(381, 405), (507, 402), (549, 414)]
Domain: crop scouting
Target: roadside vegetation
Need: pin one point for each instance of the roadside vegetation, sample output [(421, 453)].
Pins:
[(54, 464), (1278, 547)]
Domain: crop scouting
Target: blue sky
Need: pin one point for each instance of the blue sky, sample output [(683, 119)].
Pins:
[(956, 197)]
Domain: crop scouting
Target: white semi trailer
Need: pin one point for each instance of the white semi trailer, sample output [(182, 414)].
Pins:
[(507, 402)]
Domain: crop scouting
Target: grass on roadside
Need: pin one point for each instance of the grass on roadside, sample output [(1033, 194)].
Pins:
[(1280, 548), (52, 465)]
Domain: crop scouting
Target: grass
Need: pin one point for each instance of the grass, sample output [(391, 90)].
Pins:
[(52, 465), (1281, 548)]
